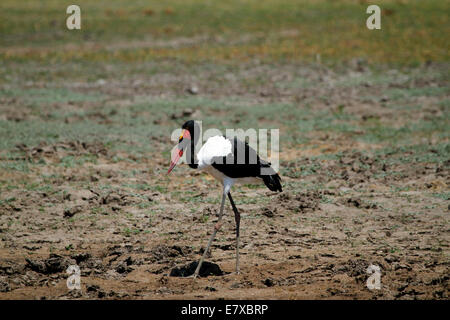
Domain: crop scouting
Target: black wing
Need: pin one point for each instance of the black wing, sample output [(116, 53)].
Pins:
[(244, 162)]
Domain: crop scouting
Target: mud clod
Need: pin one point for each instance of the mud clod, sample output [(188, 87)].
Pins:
[(92, 288), (308, 201), (70, 212), (268, 212), (4, 286), (163, 252), (302, 202), (123, 267), (269, 282), (54, 264), (356, 202), (81, 257)]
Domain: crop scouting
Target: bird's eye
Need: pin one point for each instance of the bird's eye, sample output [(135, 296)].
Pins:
[(182, 136)]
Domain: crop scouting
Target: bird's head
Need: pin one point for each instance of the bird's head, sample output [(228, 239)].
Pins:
[(189, 136)]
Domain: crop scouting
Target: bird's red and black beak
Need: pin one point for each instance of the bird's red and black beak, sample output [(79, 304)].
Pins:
[(177, 152)]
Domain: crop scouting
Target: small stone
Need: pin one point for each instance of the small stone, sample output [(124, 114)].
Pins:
[(269, 282), (192, 90)]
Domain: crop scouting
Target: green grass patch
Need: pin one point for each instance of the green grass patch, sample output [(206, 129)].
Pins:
[(269, 29)]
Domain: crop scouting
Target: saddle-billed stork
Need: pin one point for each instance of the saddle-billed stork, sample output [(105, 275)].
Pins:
[(230, 161)]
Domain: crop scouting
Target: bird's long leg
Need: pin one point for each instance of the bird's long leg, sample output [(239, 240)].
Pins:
[(237, 218), (216, 228)]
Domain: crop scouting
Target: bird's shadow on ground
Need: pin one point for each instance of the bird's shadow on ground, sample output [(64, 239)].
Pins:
[(207, 269)]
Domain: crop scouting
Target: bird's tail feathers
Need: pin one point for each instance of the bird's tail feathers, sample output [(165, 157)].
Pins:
[(272, 180)]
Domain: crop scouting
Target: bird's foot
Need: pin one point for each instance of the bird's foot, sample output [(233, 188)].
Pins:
[(234, 273), (192, 276)]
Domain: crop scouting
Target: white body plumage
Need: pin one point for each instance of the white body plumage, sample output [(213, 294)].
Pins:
[(219, 146)]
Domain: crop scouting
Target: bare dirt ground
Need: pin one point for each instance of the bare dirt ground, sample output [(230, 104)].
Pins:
[(127, 225)]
